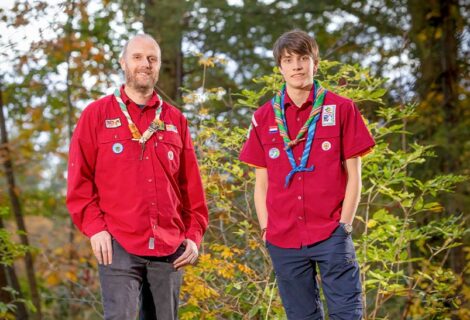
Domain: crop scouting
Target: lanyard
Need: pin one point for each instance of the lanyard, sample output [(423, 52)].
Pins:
[(154, 126)]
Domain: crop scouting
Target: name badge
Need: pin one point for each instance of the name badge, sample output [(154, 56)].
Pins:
[(112, 123)]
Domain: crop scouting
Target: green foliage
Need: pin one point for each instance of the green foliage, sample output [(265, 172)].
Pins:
[(9, 252), (403, 262)]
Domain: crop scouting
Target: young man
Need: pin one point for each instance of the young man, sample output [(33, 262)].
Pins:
[(135, 190), (306, 145)]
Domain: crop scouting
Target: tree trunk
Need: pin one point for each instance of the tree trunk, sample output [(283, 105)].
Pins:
[(165, 20), (435, 32), (8, 278), (16, 208)]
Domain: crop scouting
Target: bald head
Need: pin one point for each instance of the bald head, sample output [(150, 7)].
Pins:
[(142, 36)]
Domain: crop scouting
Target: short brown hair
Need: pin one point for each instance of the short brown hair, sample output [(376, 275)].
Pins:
[(295, 41)]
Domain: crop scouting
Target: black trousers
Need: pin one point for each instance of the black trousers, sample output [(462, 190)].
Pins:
[(146, 285)]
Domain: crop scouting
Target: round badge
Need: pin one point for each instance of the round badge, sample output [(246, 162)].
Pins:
[(170, 155), (274, 153), (326, 146), (118, 148)]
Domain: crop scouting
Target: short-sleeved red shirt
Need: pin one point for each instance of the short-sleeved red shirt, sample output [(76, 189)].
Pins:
[(309, 209), (151, 201)]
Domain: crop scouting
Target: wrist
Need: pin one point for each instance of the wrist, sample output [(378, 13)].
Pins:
[(347, 227), (263, 231)]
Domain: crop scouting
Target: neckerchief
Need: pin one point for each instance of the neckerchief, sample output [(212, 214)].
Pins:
[(310, 125), (154, 126)]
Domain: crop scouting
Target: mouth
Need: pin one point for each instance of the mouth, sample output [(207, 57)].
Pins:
[(298, 75)]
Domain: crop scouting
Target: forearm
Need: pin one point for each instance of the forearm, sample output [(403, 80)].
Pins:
[(261, 188), (353, 190)]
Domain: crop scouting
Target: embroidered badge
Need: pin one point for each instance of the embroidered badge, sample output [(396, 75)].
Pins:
[(171, 127), (171, 156), (274, 153), (328, 117), (326, 146), (118, 148), (273, 129), (112, 123)]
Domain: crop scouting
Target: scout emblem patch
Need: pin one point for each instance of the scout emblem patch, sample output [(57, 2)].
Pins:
[(274, 153), (326, 146), (328, 117), (171, 127), (118, 148), (273, 129), (171, 156), (112, 123)]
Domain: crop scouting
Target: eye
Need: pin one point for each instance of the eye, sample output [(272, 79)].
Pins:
[(153, 59), (305, 58)]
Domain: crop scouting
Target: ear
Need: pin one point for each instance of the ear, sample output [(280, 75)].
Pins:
[(315, 66), (122, 63)]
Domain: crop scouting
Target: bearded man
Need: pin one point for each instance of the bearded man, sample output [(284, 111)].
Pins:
[(135, 190)]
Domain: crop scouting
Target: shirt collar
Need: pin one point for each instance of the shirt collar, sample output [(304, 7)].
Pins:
[(288, 101), (151, 103)]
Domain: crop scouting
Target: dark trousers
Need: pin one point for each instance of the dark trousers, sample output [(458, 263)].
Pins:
[(339, 271), (133, 284)]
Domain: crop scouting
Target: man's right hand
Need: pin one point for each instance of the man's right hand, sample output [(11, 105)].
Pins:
[(102, 247)]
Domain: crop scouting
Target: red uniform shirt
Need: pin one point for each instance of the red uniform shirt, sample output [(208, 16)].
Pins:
[(309, 209), (149, 204)]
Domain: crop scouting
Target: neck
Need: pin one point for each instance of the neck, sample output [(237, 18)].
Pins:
[(139, 97), (299, 95)]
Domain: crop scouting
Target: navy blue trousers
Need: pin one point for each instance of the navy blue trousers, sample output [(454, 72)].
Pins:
[(296, 271)]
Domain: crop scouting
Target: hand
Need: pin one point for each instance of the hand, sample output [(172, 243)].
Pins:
[(189, 255), (102, 247)]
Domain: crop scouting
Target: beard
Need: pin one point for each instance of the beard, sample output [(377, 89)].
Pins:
[(139, 82)]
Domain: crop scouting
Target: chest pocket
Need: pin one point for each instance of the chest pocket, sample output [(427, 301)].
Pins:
[(168, 148), (326, 144), (273, 147), (116, 144)]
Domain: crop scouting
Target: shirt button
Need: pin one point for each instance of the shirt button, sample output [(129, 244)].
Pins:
[(274, 139), (300, 218), (298, 119), (160, 137), (300, 178), (153, 203), (149, 180), (299, 197), (156, 144), (154, 226), (146, 158), (300, 158)]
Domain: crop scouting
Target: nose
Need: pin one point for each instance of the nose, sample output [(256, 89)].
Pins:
[(297, 65), (145, 63)]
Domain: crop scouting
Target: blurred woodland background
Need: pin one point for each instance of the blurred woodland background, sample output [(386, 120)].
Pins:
[(404, 62)]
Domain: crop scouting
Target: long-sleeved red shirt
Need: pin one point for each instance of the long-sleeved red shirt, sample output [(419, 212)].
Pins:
[(149, 202)]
